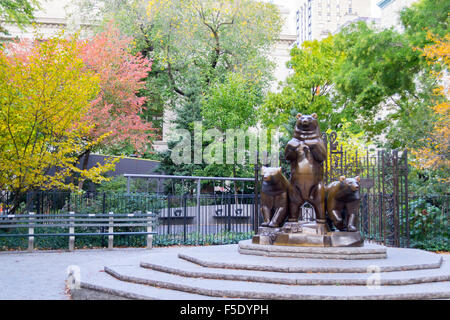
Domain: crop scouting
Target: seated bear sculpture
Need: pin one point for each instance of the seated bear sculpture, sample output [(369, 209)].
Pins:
[(342, 203), (274, 197)]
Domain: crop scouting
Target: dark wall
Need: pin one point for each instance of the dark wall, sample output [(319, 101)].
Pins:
[(126, 165)]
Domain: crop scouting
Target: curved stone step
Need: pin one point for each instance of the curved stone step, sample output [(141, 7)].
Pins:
[(228, 257), (252, 290), (101, 286), (369, 251), (186, 269)]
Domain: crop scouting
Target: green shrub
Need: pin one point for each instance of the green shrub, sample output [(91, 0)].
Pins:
[(428, 224), (131, 241)]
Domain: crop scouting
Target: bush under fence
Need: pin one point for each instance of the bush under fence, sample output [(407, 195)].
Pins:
[(429, 226), (181, 220), (212, 220)]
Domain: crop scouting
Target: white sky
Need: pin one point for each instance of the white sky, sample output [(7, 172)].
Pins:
[(55, 8)]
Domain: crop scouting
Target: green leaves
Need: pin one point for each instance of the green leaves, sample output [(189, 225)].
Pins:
[(375, 78), (423, 16), (378, 73), (19, 11), (309, 88), (231, 104)]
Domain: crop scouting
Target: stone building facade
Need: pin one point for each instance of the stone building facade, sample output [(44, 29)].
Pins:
[(316, 19)]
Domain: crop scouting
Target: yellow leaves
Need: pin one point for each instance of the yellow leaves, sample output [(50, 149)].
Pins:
[(155, 7), (439, 51), (46, 90), (437, 146)]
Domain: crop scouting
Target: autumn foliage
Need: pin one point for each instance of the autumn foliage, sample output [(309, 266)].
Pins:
[(116, 111), (436, 152), (45, 95)]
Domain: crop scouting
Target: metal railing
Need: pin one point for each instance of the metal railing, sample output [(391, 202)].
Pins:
[(210, 210), (73, 225), (203, 210), (192, 185)]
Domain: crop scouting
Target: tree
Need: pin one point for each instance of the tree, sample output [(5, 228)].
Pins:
[(380, 68), (20, 12), (436, 152), (194, 42), (194, 45), (425, 16), (117, 110), (384, 81), (200, 40), (309, 89), (46, 92), (231, 104)]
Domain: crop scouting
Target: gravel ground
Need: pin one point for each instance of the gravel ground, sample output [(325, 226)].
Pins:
[(41, 275)]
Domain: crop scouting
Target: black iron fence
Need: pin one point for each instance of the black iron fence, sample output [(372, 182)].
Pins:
[(190, 219), (213, 210), (222, 218)]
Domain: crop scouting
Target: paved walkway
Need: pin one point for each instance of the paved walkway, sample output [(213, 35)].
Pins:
[(41, 275)]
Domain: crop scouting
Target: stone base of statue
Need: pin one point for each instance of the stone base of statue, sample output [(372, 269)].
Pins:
[(306, 234)]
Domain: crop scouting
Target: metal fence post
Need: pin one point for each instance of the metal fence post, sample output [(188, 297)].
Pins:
[(198, 205), (169, 211), (184, 218), (406, 197), (102, 229), (255, 207), (229, 215), (149, 229), (111, 230), (31, 231), (71, 231)]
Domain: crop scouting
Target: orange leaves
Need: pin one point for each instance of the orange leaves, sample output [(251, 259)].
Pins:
[(116, 110), (439, 51), (435, 153)]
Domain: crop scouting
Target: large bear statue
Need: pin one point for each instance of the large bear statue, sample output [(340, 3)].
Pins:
[(274, 197), (342, 203), (306, 153)]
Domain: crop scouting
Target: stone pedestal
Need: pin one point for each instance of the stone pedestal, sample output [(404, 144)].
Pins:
[(306, 234)]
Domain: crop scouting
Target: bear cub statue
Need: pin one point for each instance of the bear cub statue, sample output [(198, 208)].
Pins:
[(274, 197), (342, 203)]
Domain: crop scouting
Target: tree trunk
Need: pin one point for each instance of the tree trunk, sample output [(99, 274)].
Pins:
[(84, 167), (236, 192)]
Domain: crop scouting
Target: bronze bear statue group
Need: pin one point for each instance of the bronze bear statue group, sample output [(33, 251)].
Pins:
[(281, 199)]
